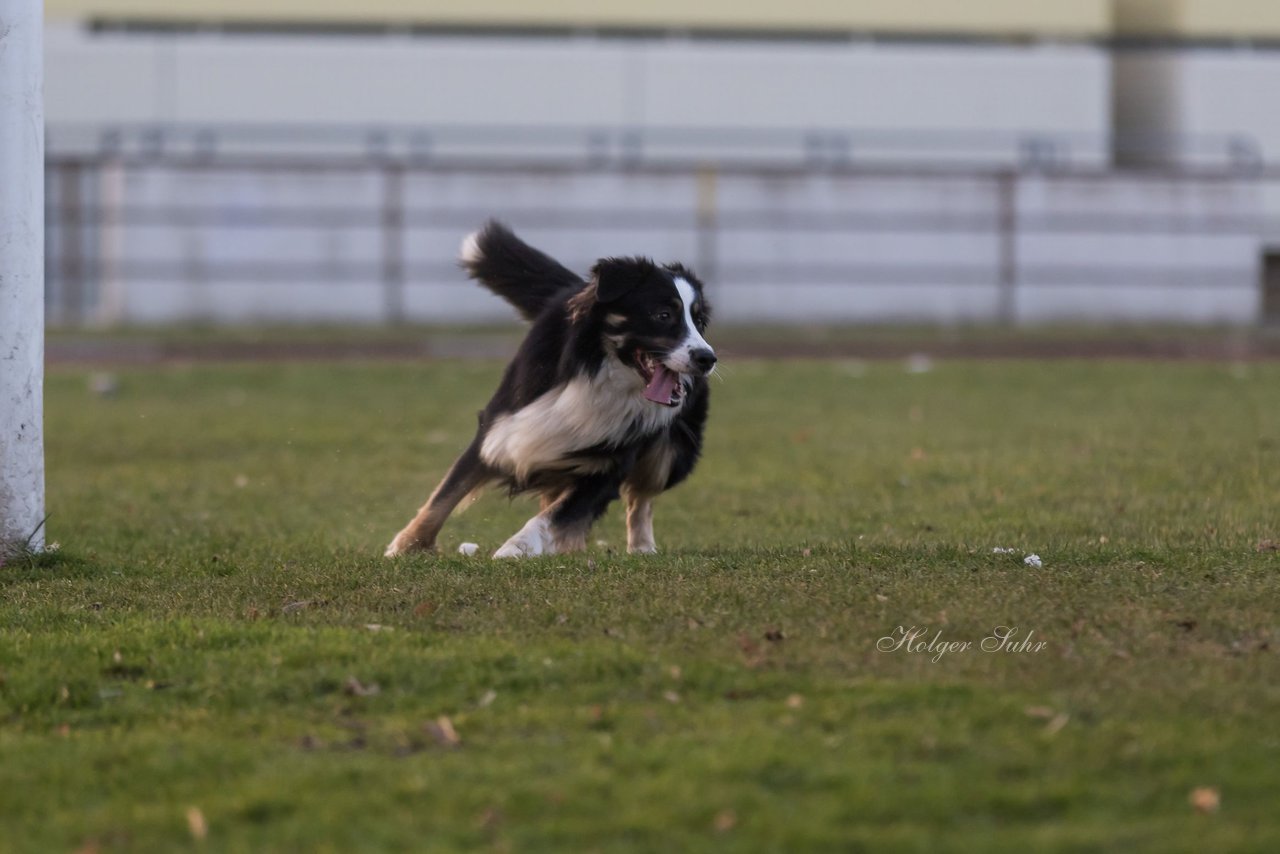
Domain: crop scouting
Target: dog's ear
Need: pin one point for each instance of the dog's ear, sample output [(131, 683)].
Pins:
[(616, 277)]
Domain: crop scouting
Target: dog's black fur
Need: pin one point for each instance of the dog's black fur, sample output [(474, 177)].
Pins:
[(606, 396)]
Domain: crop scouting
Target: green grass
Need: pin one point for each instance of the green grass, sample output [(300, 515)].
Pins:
[(218, 632)]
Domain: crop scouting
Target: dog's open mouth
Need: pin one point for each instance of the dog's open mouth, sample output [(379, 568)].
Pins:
[(662, 385)]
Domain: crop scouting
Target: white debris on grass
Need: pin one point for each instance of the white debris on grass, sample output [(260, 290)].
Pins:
[(468, 549), (1033, 560), (103, 384), (919, 363), (999, 551), (852, 367)]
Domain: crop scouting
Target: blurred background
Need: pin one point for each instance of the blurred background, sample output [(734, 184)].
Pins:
[(997, 162)]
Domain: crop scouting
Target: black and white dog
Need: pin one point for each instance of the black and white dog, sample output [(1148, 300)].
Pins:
[(606, 396)]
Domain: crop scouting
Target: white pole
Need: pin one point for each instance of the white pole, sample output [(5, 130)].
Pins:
[(21, 275)]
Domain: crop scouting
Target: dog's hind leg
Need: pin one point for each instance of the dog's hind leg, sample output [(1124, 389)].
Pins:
[(531, 540), (639, 522), (650, 477), (562, 524), (467, 474), (572, 518), (535, 537)]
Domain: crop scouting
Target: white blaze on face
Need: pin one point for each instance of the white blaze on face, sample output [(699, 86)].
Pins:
[(679, 358)]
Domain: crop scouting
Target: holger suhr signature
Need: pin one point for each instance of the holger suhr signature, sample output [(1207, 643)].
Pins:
[(917, 639)]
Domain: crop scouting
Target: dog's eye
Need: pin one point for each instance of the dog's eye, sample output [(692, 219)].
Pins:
[(663, 317)]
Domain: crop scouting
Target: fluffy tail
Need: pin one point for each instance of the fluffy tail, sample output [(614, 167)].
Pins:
[(514, 270)]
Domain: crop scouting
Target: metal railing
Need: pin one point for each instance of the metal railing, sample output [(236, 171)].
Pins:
[(656, 145), (107, 235)]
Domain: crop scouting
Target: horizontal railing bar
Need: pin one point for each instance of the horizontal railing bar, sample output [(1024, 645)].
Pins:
[(957, 169), (447, 275)]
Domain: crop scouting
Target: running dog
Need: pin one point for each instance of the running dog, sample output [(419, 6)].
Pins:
[(607, 396)]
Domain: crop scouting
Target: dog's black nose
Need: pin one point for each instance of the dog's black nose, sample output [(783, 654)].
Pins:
[(703, 359)]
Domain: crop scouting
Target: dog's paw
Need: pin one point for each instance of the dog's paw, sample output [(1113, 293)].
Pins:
[(518, 547), (403, 546), (531, 540), (649, 549)]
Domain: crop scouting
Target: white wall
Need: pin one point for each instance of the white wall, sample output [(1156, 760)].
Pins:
[(995, 93), (941, 102), (1138, 249)]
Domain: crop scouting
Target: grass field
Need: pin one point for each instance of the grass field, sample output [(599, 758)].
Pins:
[(218, 657)]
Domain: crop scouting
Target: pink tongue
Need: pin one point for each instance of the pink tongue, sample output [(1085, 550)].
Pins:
[(661, 387)]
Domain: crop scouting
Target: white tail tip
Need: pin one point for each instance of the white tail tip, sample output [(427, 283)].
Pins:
[(469, 252)]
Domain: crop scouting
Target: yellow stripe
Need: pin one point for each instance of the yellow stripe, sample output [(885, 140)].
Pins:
[(977, 17)]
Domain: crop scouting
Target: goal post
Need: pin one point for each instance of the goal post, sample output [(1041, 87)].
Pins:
[(21, 276)]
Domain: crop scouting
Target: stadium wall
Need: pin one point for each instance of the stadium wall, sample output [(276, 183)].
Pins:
[(159, 244), (978, 102), (936, 89)]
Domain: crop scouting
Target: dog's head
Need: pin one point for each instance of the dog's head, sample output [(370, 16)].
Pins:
[(653, 318)]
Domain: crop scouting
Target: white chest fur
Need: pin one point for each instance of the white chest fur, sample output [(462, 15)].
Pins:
[(604, 408)]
